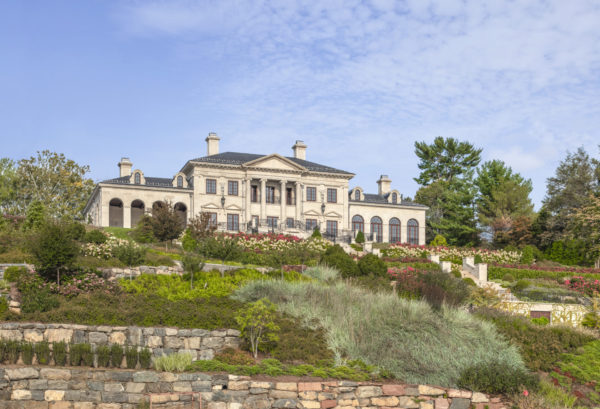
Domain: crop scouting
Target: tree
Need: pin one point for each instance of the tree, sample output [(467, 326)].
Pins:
[(36, 214), (224, 248), (201, 227), (445, 160), (166, 223), (8, 188), (575, 179), (585, 223), (54, 180), (446, 179), (360, 237), (192, 264), (257, 324), (53, 249), (131, 255)]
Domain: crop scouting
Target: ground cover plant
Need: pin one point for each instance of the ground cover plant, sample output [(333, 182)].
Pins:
[(406, 338)]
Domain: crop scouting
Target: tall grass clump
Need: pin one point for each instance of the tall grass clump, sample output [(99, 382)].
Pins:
[(406, 337), (173, 363), (322, 272)]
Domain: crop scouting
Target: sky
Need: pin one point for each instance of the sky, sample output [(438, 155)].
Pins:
[(358, 81)]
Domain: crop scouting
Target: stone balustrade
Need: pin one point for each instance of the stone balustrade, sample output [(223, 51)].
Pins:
[(76, 388), (200, 343)]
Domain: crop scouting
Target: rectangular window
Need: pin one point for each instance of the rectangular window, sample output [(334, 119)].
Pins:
[(289, 222), (332, 228), (254, 194), (331, 195), (272, 222), (311, 194), (233, 222), (211, 186), (232, 188), (289, 196), (311, 224), (270, 198), (213, 219)]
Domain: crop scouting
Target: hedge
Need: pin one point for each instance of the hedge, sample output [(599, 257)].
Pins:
[(497, 273)]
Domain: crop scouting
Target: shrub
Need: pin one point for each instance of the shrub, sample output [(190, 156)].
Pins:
[(521, 285), (360, 237), (3, 356), (478, 259), (13, 273), (103, 355), (27, 353), (130, 254), (95, 236), (336, 257), (131, 356), (13, 349), (322, 272), (3, 307), (173, 363), (591, 320), (316, 233), (35, 216), (508, 277), (527, 255), (541, 346), (257, 324), (42, 352), (440, 288), (540, 321), (469, 281), (81, 354), (143, 231), (59, 352), (496, 378), (145, 357), (371, 264), (38, 300), (116, 355), (292, 347), (438, 241), (76, 231), (53, 249), (234, 357)]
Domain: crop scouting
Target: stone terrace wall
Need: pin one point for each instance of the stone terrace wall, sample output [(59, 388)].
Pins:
[(53, 388), (202, 344)]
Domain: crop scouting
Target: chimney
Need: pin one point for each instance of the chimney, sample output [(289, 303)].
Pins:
[(385, 185), (125, 167), (212, 144), (299, 150)]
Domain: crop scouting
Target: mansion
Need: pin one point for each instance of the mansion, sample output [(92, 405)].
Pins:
[(261, 193)]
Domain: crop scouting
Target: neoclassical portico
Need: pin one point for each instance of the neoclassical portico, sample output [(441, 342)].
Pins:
[(259, 193)]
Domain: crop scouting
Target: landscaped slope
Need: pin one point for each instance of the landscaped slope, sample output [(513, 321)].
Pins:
[(408, 338)]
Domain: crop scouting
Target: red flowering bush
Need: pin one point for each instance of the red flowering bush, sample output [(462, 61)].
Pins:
[(580, 284)]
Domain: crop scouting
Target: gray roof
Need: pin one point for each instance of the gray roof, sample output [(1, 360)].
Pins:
[(150, 181), (237, 158), (374, 198)]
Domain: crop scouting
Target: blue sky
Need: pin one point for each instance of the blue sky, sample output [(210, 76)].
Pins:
[(358, 81)]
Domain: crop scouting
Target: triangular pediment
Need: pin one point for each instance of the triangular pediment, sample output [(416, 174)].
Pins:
[(210, 206), (274, 161), (311, 213), (233, 207), (332, 214)]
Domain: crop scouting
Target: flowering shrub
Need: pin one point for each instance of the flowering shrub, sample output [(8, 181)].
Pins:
[(580, 284), (453, 254), (30, 282), (263, 243), (561, 269), (107, 249)]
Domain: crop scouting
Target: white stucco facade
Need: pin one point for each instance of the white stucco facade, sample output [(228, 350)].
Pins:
[(249, 192)]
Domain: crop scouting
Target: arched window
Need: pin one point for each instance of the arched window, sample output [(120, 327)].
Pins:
[(394, 198), (394, 230), (377, 229), (115, 213), (181, 211), (137, 179), (179, 181), (357, 194), (413, 231), (358, 224)]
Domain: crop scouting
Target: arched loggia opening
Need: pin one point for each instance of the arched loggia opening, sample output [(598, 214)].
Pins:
[(115, 213), (181, 211), (137, 211)]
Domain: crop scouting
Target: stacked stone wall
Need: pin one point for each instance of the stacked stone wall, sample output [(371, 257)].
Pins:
[(68, 388), (201, 343)]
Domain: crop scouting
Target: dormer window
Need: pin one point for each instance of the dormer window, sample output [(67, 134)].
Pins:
[(137, 178), (394, 198), (357, 194), (180, 181)]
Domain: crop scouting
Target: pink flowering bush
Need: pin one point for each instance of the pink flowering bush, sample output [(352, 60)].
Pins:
[(590, 288), (107, 249), (454, 254), (263, 243)]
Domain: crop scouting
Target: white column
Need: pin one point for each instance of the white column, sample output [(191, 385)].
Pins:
[(127, 215), (263, 199), (248, 193), (298, 200), (282, 203)]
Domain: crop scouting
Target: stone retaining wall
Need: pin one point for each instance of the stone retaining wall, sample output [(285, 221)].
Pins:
[(68, 388), (201, 343)]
